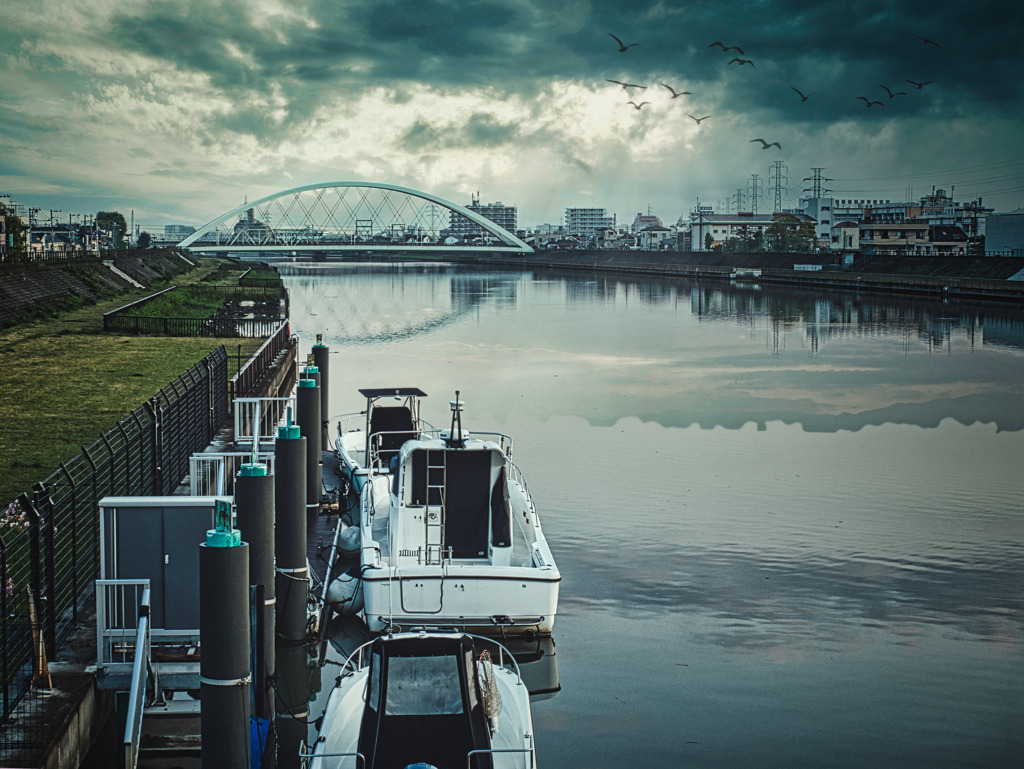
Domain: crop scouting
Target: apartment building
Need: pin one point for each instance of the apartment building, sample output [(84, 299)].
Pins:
[(464, 229), (588, 222)]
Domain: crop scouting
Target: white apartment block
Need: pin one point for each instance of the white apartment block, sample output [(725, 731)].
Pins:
[(588, 222)]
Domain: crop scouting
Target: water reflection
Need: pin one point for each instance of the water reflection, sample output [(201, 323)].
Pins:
[(844, 560)]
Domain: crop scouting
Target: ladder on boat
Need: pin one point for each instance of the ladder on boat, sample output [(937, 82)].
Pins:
[(433, 512)]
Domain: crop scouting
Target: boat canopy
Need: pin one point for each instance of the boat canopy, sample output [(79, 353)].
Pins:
[(392, 392), (388, 427), (423, 704)]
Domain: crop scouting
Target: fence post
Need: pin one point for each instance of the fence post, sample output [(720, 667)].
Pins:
[(34, 551), (154, 406), (110, 451), (74, 537), (127, 447), (44, 508)]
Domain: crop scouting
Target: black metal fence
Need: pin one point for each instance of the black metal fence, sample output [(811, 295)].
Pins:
[(49, 540), (130, 320), (244, 382)]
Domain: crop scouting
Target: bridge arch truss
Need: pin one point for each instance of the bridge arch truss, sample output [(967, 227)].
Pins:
[(351, 216)]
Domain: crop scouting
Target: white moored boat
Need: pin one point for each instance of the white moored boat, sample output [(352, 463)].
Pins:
[(426, 699), (450, 536)]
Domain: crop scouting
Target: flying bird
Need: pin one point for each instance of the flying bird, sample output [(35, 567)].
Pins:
[(698, 119), (920, 85), (802, 96), (622, 48), (891, 94), (868, 102), (765, 145), (675, 93), (926, 41), (744, 61), (637, 106), (726, 48), (625, 85)]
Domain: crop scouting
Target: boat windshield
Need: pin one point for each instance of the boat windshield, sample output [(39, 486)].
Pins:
[(420, 686)]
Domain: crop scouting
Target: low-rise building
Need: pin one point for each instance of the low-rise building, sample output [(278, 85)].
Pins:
[(1004, 234)]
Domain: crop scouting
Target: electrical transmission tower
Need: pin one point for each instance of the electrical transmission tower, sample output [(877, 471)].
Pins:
[(817, 189), (739, 200), (778, 180), (754, 195)]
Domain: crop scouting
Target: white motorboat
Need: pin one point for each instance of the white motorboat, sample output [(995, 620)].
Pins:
[(449, 532), (426, 699), (450, 537)]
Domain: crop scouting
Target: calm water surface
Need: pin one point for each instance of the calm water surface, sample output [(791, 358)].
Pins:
[(789, 524)]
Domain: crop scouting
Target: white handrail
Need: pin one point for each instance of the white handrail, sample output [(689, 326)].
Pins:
[(258, 418), (140, 678), (213, 473)]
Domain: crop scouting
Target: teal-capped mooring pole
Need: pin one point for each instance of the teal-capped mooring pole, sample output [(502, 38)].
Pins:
[(224, 678), (254, 503), (290, 538), (321, 359), (307, 407)]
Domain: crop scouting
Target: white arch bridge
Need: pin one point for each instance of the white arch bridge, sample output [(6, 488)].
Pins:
[(352, 217)]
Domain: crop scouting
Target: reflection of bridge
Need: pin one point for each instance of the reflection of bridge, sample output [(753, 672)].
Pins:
[(352, 216)]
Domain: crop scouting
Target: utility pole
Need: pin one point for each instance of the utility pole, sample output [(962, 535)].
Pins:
[(754, 195)]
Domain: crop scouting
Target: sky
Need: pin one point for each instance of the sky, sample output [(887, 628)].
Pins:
[(180, 110)]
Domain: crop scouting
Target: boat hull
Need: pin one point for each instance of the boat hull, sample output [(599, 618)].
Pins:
[(518, 601)]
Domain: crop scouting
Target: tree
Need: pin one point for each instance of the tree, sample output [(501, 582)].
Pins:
[(708, 241), (789, 234), (15, 235), (114, 223), (107, 220), (144, 239)]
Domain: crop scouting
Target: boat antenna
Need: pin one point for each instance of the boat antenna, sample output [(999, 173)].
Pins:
[(455, 439)]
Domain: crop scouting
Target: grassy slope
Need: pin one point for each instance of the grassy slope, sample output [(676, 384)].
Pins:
[(63, 383)]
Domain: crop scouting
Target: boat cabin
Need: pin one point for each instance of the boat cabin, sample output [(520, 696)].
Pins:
[(389, 425), (423, 704), (455, 501)]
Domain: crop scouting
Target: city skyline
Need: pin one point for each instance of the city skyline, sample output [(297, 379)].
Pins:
[(181, 111)]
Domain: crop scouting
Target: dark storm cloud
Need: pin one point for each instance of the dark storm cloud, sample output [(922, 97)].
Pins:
[(834, 49), (479, 130)]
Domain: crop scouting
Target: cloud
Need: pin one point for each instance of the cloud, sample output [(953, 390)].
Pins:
[(456, 96)]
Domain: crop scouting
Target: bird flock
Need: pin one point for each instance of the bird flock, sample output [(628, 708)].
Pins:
[(742, 62)]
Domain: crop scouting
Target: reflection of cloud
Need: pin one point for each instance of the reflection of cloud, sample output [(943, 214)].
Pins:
[(764, 601), (543, 354)]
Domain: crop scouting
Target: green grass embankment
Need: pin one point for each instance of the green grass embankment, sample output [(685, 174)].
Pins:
[(63, 382)]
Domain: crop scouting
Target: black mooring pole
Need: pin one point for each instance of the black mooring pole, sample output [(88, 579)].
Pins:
[(224, 677)]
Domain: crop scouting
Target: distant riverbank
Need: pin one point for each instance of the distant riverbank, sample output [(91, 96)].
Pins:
[(966, 277)]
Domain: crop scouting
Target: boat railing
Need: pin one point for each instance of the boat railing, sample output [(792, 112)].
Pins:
[(480, 751), (308, 756), (345, 422), (424, 430), (354, 662)]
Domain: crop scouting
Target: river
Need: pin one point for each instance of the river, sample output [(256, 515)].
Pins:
[(789, 524)]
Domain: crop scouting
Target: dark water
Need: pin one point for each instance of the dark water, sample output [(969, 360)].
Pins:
[(789, 524)]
